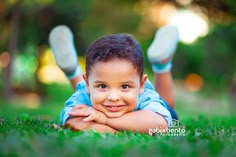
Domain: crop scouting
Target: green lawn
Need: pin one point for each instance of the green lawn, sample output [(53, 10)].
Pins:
[(31, 132)]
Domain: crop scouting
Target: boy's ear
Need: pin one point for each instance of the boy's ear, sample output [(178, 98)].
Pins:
[(87, 82), (143, 80)]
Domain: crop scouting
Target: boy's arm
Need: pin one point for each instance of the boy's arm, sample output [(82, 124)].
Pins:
[(140, 121), (77, 124)]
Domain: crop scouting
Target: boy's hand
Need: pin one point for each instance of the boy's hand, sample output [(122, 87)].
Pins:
[(77, 124), (89, 113)]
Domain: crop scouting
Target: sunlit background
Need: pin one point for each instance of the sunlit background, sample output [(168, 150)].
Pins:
[(199, 65)]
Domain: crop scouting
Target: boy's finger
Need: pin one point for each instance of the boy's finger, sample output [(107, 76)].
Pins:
[(79, 107), (81, 112), (78, 113), (95, 117), (89, 118)]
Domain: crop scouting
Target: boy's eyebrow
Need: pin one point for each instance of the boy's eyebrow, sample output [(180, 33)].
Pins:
[(124, 82), (128, 82), (97, 81)]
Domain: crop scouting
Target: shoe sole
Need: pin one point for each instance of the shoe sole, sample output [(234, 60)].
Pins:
[(164, 44), (62, 44)]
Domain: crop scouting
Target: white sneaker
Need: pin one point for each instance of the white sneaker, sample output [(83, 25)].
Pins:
[(164, 44), (61, 41)]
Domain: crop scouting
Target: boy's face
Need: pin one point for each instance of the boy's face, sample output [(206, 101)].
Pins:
[(114, 87)]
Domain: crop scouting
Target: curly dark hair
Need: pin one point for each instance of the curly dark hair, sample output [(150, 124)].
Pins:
[(121, 46)]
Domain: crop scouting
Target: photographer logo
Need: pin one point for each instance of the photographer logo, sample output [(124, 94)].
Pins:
[(173, 130)]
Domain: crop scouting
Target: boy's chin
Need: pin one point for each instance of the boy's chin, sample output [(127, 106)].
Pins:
[(114, 114)]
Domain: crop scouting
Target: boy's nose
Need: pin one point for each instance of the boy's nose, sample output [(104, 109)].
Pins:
[(113, 96)]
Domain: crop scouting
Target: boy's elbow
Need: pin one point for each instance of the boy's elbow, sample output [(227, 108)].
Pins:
[(160, 126), (162, 122)]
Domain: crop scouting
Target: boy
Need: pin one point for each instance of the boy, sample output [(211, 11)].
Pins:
[(114, 94)]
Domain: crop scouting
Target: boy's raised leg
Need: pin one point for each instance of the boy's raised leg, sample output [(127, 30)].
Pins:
[(62, 43), (160, 54)]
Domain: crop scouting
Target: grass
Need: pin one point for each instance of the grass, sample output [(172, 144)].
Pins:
[(31, 132)]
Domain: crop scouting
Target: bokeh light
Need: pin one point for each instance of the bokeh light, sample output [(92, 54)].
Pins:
[(193, 82), (161, 13), (4, 59), (30, 99), (48, 71), (24, 70), (51, 74), (184, 2), (190, 25)]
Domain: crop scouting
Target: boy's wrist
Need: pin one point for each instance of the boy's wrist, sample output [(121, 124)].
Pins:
[(105, 120), (108, 121)]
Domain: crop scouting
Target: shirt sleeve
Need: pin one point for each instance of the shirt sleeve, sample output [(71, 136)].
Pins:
[(151, 100), (79, 97)]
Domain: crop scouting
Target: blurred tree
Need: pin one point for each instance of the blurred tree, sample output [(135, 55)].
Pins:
[(31, 21), (12, 46), (109, 17), (26, 22), (212, 56)]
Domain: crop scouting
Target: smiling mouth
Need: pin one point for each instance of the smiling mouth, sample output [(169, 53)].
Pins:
[(114, 108)]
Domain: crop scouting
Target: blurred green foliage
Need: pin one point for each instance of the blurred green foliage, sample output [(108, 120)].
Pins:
[(212, 57)]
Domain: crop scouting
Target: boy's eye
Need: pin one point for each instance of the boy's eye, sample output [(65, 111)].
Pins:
[(124, 86), (102, 86)]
